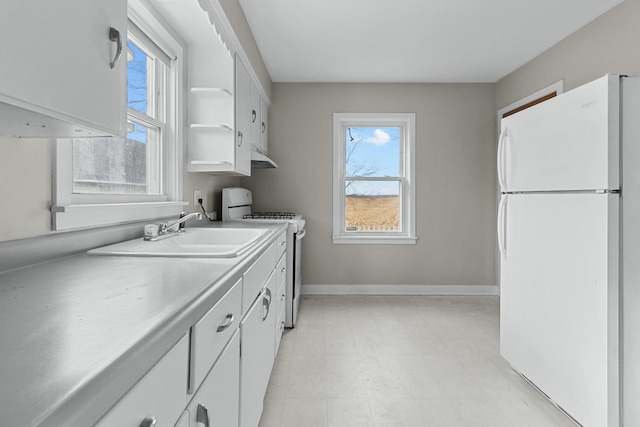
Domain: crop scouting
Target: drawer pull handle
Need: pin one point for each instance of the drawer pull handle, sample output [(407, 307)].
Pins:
[(227, 323), (202, 415), (149, 422), (266, 303), (114, 36)]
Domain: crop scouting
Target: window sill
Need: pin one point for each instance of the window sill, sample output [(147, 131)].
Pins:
[(374, 240), (96, 215)]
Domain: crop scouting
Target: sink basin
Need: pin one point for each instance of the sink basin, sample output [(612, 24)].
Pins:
[(193, 243)]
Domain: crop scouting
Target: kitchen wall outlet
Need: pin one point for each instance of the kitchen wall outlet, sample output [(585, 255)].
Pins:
[(197, 194)]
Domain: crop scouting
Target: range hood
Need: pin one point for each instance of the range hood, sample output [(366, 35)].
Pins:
[(260, 161)]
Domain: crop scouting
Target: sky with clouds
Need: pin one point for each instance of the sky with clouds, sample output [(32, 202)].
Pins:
[(373, 151)]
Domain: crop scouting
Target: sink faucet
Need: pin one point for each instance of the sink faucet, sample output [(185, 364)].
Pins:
[(154, 231)]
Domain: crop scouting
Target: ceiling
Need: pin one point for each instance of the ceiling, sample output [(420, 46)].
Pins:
[(410, 40)]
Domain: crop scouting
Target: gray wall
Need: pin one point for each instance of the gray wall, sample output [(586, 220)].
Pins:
[(455, 181), (25, 188), (609, 44)]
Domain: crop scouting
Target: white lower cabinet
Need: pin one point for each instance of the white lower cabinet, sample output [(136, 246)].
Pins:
[(258, 338), (217, 400), (212, 333), (226, 363), (159, 397), (280, 299)]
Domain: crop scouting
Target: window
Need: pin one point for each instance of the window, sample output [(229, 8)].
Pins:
[(103, 181), (373, 178)]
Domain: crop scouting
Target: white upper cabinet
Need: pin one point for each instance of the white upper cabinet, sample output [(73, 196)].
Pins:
[(243, 118), (63, 68), (259, 118), (217, 138), (256, 118), (264, 126)]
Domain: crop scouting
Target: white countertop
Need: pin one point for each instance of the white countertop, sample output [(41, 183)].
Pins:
[(78, 332)]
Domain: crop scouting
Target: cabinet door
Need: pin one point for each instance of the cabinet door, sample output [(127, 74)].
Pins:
[(217, 401), (212, 332), (256, 118), (55, 61), (264, 129), (243, 119), (160, 395), (258, 338), (280, 300)]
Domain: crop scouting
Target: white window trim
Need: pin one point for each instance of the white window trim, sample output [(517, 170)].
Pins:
[(75, 211), (408, 192)]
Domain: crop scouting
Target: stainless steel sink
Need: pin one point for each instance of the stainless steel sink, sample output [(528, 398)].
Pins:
[(193, 243)]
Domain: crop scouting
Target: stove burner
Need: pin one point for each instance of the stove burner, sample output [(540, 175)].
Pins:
[(269, 215)]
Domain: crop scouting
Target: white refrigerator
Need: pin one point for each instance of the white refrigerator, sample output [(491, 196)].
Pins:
[(568, 237)]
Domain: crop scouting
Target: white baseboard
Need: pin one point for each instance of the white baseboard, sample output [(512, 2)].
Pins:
[(399, 290)]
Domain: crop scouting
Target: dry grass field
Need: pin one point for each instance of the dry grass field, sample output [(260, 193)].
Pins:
[(375, 213)]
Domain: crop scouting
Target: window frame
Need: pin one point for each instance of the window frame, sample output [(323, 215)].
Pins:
[(74, 211), (407, 123)]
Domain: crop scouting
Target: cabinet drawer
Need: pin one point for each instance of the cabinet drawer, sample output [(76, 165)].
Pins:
[(279, 326), (281, 271), (213, 331), (256, 275), (281, 244), (160, 394), (217, 402)]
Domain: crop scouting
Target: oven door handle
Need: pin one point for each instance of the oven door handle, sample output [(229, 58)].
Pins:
[(301, 234)]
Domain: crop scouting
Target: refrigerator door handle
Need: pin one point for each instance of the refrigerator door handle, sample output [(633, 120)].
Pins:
[(502, 226), (501, 158)]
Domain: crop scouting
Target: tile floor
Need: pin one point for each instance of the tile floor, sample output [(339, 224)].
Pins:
[(400, 361)]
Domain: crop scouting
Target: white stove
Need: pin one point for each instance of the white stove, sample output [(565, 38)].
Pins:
[(236, 206)]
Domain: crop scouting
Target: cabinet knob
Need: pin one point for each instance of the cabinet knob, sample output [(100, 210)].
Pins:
[(149, 422)]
